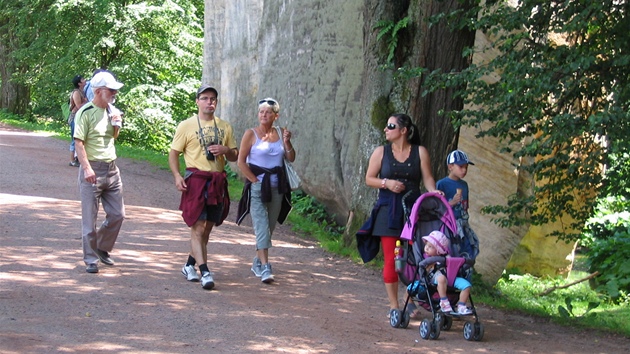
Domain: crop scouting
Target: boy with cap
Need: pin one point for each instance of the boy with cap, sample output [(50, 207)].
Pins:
[(456, 192), (207, 143), (97, 124), (437, 244)]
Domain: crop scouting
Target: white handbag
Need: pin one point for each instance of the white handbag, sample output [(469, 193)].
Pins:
[(292, 176)]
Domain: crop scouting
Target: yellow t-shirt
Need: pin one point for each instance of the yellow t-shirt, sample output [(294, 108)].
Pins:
[(188, 141), (92, 125)]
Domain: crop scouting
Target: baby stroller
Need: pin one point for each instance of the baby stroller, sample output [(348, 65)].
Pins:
[(432, 212)]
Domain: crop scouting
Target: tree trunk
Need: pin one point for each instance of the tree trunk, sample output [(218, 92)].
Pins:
[(14, 97), (437, 47)]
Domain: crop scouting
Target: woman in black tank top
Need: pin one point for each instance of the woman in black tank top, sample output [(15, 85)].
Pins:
[(396, 169)]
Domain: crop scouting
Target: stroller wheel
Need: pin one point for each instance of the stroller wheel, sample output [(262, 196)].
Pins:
[(436, 326), (406, 317), (473, 331), (447, 322), (469, 330), (429, 329), (395, 318), (425, 329), (478, 331)]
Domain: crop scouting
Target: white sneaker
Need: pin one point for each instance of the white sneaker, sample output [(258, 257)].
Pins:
[(266, 276), (206, 281), (190, 273), (463, 310), (445, 306), (256, 267)]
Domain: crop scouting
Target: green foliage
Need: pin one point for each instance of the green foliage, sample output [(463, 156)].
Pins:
[(560, 107), (577, 305), (154, 47), (607, 246), (388, 31), (382, 109), (567, 311)]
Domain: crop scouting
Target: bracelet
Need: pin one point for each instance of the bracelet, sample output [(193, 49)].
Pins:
[(383, 183), (288, 151)]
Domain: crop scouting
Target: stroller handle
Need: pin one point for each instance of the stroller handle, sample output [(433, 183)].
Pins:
[(442, 259)]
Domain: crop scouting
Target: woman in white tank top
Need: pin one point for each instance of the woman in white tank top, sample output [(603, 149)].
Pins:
[(266, 195)]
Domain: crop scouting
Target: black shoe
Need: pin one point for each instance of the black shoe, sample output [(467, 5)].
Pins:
[(104, 257), (74, 163), (92, 268)]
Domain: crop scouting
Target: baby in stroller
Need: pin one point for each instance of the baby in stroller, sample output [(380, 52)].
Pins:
[(437, 244)]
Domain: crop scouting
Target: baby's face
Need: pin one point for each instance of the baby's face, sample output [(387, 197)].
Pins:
[(429, 249)]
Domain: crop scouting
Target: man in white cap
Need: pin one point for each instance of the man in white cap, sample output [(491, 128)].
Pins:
[(97, 125)]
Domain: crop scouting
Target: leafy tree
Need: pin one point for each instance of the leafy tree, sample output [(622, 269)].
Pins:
[(561, 105), (153, 46)]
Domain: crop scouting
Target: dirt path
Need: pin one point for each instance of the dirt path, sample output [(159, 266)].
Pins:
[(320, 303)]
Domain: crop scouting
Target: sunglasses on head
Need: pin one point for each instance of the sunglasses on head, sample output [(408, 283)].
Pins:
[(391, 126), (269, 102)]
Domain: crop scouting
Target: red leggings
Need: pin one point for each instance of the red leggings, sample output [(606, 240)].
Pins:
[(388, 243)]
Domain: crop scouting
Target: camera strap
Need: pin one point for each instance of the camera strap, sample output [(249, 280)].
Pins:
[(202, 135)]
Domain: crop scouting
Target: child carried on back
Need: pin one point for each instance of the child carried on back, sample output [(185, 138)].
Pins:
[(437, 244)]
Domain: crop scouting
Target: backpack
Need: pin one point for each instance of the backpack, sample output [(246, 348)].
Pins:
[(66, 109)]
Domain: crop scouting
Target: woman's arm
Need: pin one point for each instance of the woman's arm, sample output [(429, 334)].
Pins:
[(289, 151), (374, 167), (425, 169), (246, 146)]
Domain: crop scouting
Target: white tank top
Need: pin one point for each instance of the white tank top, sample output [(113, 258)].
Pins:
[(267, 155)]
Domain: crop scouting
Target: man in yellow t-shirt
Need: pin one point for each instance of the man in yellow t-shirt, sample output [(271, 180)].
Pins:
[(207, 143)]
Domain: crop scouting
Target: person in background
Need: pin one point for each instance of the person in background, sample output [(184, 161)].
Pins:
[(77, 100), (456, 192), (207, 143), (395, 169), (266, 193), (96, 129), (89, 93)]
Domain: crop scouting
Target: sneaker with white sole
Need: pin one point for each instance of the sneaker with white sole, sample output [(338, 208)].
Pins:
[(445, 305), (266, 276), (190, 273), (207, 282), (257, 267), (463, 310)]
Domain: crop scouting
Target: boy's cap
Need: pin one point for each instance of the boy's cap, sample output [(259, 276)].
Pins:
[(458, 157), (205, 88), (438, 240), (105, 79)]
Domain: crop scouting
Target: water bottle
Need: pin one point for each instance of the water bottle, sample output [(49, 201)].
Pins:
[(399, 257)]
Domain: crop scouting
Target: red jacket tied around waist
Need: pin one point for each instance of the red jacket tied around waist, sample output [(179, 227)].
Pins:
[(204, 188)]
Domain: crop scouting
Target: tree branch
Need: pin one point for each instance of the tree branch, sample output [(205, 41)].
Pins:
[(552, 289)]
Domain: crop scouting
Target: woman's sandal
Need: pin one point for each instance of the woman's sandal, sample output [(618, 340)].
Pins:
[(415, 314)]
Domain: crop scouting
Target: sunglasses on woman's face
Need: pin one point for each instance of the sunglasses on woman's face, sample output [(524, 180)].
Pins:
[(269, 102), (391, 126)]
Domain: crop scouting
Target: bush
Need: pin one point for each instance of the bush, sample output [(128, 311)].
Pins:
[(607, 247)]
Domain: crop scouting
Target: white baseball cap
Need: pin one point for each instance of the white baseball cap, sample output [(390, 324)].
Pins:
[(105, 79)]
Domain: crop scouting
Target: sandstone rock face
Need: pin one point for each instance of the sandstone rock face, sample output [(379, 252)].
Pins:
[(311, 60), (317, 58)]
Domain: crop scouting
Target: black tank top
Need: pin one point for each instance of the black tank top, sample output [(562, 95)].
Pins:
[(408, 171)]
